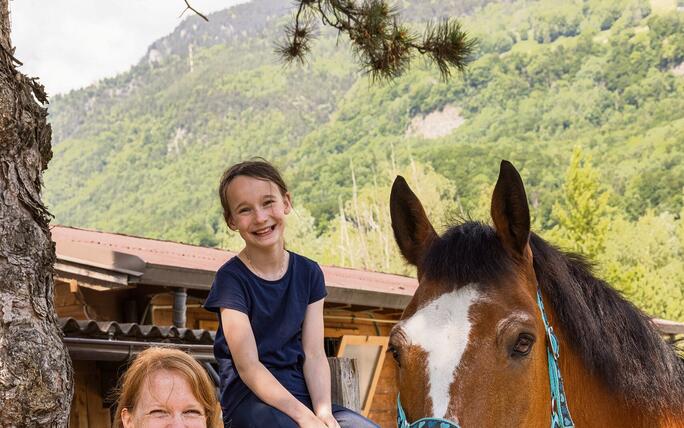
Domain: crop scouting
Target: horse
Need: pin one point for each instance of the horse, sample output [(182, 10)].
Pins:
[(506, 330)]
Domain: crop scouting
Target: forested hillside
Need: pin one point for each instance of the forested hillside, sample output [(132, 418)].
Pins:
[(586, 98)]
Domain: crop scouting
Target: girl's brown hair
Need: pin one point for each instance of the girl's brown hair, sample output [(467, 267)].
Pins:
[(153, 359), (258, 168)]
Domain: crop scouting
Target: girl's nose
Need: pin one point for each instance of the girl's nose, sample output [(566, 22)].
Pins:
[(261, 215)]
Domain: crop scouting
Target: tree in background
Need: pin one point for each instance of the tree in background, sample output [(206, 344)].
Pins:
[(644, 260), (35, 369), (362, 235), (583, 215)]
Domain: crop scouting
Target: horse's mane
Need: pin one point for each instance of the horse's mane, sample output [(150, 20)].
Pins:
[(616, 341)]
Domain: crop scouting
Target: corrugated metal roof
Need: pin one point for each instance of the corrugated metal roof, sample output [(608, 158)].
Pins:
[(177, 255), (112, 330), (152, 251)]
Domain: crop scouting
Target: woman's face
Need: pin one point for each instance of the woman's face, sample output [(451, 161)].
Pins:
[(165, 400)]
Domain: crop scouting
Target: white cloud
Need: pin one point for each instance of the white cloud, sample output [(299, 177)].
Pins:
[(72, 43)]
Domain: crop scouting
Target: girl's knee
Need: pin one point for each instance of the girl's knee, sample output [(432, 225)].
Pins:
[(348, 419)]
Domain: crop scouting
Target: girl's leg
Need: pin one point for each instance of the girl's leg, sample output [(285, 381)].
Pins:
[(254, 413), (349, 419)]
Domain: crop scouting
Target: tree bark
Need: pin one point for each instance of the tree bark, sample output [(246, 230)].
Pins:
[(35, 370)]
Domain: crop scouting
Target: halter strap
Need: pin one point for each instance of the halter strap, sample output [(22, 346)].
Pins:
[(560, 413), (402, 422)]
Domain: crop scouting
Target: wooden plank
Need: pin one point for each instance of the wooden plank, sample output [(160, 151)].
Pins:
[(78, 417), (383, 410), (668, 327), (71, 311), (375, 349), (344, 382), (112, 279), (98, 416)]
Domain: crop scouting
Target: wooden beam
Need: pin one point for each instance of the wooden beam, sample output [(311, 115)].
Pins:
[(344, 382), (668, 327), (109, 277)]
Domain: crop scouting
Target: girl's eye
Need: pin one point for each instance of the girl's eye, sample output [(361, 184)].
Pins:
[(243, 210), (267, 203)]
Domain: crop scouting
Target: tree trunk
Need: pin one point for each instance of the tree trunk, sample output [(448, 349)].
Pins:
[(35, 369)]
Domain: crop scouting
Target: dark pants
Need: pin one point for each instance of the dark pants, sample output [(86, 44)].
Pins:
[(254, 413)]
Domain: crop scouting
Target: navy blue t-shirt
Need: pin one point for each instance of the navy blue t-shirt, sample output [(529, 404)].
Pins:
[(276, 311)]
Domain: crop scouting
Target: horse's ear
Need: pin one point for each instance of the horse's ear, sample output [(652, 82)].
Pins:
[(510, 212), (412, 229)]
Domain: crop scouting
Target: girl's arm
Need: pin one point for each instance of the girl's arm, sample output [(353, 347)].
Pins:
[(259, 380), (316, 368)]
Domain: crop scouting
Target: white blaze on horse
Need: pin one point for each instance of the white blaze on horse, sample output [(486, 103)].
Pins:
[(473, 347)]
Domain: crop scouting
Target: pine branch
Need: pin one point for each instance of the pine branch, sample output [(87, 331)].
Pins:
[(188, 7), (298, 36), (383, 46)]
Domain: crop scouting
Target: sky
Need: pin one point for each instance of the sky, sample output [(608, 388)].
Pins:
[(70, 44)]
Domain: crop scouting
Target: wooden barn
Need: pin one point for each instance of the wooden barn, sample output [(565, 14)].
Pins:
[(117, 294)]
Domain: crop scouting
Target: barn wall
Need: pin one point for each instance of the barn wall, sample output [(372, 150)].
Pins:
[(68, 304), (162, 314), (84, 303), (87, 410), (384, 407)]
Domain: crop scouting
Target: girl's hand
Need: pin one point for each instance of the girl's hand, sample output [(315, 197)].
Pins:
[(329, 420), (311, 421)]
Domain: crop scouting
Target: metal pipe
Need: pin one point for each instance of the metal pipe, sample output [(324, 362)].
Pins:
[(180, 300), (121, 350), (166, 307)]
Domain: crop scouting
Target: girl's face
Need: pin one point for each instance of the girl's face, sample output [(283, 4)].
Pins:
[(165, 400), (257, 211)]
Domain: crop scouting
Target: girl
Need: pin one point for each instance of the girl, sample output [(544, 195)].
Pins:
[(269, 345)]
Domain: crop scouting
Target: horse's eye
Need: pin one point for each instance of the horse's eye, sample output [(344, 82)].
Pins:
[(523, 345), (395, 354)]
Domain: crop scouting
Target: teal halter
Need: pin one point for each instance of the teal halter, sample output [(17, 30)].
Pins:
[(560, 413)]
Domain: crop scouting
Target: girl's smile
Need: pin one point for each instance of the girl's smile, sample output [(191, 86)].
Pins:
[(264, 233)]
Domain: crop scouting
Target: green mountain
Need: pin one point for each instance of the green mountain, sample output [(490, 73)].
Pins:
[(142, 153)]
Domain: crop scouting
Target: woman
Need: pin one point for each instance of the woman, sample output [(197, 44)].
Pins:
[(166, 387)]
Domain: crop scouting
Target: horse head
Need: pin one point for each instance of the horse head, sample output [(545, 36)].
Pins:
[(471, 343), (474, 345)]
